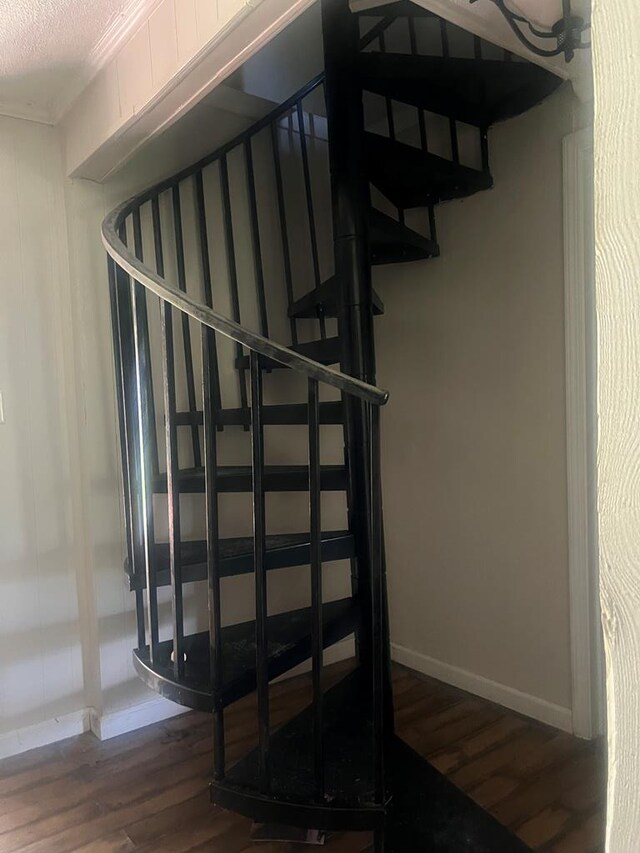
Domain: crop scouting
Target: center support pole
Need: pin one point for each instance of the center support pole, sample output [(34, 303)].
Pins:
[(351, 204)]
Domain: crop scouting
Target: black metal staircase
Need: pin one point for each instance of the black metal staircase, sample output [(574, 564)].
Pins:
[(219, 234)]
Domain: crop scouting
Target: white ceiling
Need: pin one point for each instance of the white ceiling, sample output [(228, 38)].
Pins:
[(47, 48)]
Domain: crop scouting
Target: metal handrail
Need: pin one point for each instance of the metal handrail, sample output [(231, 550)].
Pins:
[(218, 322)]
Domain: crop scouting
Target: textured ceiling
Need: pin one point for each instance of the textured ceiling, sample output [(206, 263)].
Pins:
[(45, 45)]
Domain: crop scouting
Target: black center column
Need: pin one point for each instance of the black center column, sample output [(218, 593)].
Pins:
[(350, 199)]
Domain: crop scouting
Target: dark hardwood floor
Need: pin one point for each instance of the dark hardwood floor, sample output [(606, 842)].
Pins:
[(148, 791)]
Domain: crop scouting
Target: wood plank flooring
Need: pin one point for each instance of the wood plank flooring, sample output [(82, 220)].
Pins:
[(148, 791)]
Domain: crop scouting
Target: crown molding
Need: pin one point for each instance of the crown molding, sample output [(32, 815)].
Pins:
[(26, 113), (129, 19)]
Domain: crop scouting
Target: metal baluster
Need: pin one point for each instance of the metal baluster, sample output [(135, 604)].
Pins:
[(173, 487), (171, 441), (137, 248), (231, 262), (284, 234), (213, 548), (453, 130), (316, 584), (259, 546), (121, 332), (377, 605), (391, 124), (432, 224), (389, 104), (206, 279), (144, 425), (484, 142), (310, 211), (255, 239), (186, 331), (413, 41)]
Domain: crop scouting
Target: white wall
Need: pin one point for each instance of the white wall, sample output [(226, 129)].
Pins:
[(471, 348), (40, 655)]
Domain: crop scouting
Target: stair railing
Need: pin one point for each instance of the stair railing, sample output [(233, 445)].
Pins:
[(131, 280)]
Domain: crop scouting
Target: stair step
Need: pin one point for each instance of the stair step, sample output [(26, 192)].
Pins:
[(397, 9), (410, 177), (325, 351), (236, 556), (289, 640), (325, 297), (238, 478), (478, 92), (349, 777), (392, 242), (424, 810), (285, 414)]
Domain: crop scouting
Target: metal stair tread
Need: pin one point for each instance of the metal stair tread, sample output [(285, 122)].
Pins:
[(325, 351), (238, 478), (289, 642), (399, 8), (326, 296), (236, 555), (410, 177), (349, 777), (393, 242), (331, 412), (478, 92)]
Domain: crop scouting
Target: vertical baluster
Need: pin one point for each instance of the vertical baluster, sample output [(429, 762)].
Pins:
[(186, 331), (413, 41), (121, 332), (316, 584), (433, 233), (137, 248), (377, 605), (206, 279), (389, 103), (284, 234), (144, 426), (173, 487), (453, 130), (484, 143), (391, 124), (255, 238), (259, 533), (213, 547), (171, 441), (231, 262), (315, 258)]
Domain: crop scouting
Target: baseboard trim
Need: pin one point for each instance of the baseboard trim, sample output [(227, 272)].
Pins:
[(42, 734), (515, 700), (106, 726)]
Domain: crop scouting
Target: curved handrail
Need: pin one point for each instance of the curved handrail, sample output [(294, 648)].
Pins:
[(218, 322)]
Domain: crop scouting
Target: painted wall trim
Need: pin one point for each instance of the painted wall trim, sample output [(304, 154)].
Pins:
[(509, 697), (580, 370), (41, 734), (106, 726)]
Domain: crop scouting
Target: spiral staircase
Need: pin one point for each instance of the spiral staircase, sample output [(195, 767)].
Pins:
[(228, 233)]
